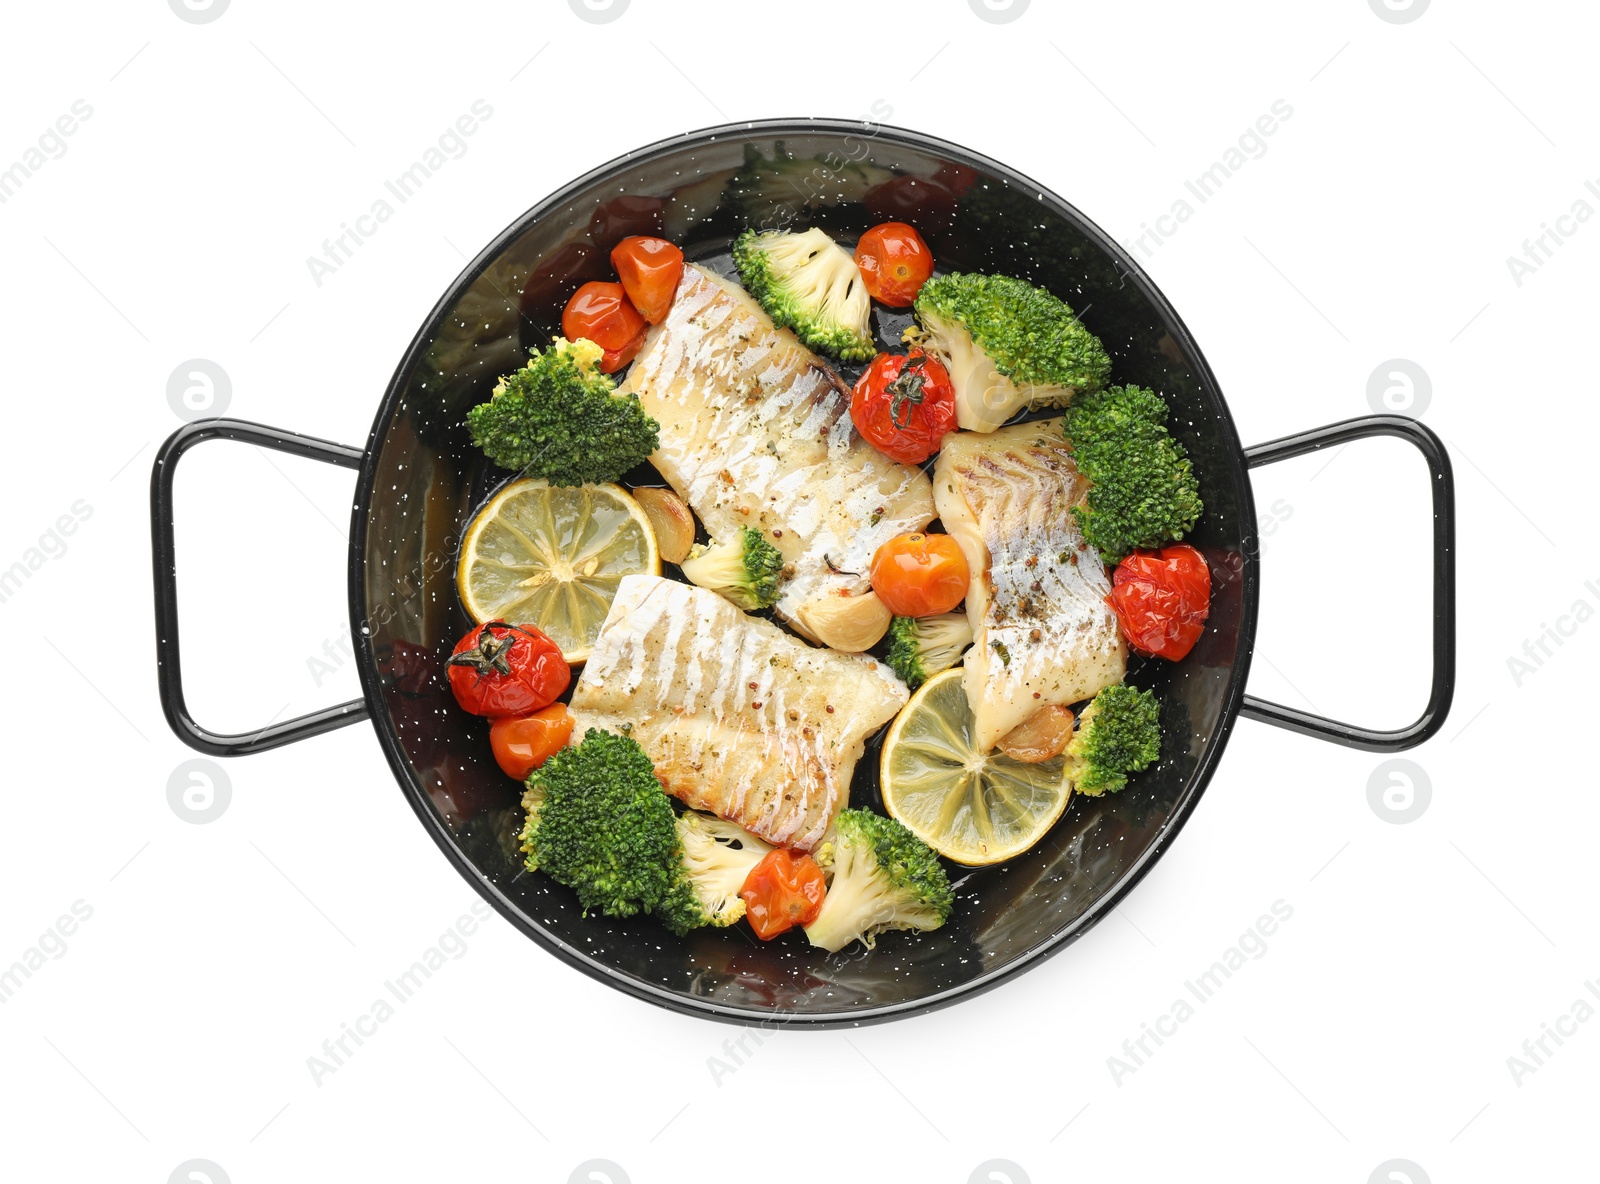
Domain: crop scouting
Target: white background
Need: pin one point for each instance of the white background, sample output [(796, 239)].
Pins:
[(1377, 1026)]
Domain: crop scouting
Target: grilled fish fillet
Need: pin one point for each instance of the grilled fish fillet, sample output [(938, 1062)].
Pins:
[(740, 718), (756, 431), (1042, 631)]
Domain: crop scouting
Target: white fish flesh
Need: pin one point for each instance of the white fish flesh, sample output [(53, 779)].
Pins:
[(756, 431), (740, 719), (1042, 631)]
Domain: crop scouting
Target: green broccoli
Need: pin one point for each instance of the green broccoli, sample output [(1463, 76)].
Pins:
[(1007, 345), (1142, 489), (560, 418), (744, 569), (1119, 733), (920, 647), (809, 283), (884, 877), (599, 822), (717, 857)]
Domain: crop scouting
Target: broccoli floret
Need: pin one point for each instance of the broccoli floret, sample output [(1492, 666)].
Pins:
[(600, 823), (1119, 733), (559, 418), (920, 647), (809, 283), (717, 858), (884, 877), (744, 568), (1007, 345), (1142, 489)]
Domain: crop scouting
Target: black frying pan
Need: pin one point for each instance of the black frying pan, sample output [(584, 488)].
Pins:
[(420, 481)]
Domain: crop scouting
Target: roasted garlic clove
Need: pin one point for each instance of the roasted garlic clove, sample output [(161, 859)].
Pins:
[(1042, 735), (849, 624), (670, 519)]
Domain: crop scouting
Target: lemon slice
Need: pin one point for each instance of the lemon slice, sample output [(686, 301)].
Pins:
[(553, 557), (972, 807)]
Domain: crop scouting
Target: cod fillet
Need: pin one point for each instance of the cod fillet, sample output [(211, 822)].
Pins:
[(1042, 631), (756, 431), (740, 718)]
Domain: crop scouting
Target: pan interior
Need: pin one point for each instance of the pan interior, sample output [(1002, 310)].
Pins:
[(424, 481)]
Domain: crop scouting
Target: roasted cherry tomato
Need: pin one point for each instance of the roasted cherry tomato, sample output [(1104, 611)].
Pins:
[(903, 406), (499, 669), (1162, 599), (522, 743), (894, 263), (650, 269), (917, 575), (602, 312), (782, 891)]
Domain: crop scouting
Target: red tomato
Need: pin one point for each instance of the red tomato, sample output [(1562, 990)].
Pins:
[(499, 669), (917, 575), (615, 359), (1162, 599), (602, 312), (522, 743), (903, 406), (650, 269), (782, 891), (894, 263)]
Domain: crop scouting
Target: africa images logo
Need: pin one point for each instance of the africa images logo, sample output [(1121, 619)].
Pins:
[(1399, 12), (198, 1171), (598, 12), (199, 791), (1399, 387), (999, 12), (198, 12), (198, 388)]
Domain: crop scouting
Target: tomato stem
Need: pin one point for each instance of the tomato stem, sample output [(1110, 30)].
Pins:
[(492, 654), (905, 392)]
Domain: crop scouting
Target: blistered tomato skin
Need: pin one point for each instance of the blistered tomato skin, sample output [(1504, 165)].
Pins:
[(782, 891), (650, 269), (1162, 600), (918, 575), (602, 312), (522, 743), (894, 263), (904, 406), (499, 669)]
